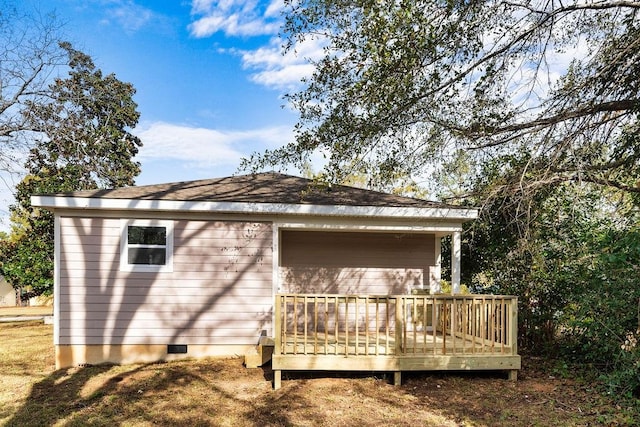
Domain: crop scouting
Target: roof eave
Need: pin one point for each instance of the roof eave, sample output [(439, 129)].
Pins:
[(60, 202)]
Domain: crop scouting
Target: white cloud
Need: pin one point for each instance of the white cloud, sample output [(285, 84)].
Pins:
[(273, 69), (268, 66), (202, 147), (235, 17), (129, 15), (531, 82), (234, 25), (286, 76), (274, 9)]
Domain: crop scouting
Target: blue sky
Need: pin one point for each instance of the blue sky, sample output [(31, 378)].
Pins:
[(209, 77)]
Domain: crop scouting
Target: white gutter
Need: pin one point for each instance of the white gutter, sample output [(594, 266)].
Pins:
[(57, 202)]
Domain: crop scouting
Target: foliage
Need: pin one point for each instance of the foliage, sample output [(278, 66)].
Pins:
[(603, 317), (83, 143), (404, 86), (28, 264), (445, 288), (574, 268), (84, 128)]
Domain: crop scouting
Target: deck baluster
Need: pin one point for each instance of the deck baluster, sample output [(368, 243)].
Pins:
[(367, 325), (377, 326), (335, 326), (326, 325), (315, 325)]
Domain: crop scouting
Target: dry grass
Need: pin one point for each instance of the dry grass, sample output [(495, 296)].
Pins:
[(26, 311), (221, 392)]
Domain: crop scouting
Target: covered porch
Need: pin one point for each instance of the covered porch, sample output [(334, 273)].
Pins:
[(394, 333), (362, 292)]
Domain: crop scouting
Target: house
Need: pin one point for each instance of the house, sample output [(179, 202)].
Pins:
[(8, 296), (214, 267)]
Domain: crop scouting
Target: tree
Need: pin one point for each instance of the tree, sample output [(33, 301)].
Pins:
[(29, 53), (84, 128), (403, 86), (82, 142), (528, 109)]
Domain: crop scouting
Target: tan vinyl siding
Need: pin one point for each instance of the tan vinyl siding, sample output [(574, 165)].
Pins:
[(349, 262), (220, 290)]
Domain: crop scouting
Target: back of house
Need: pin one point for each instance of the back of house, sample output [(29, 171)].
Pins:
[(192, 268)]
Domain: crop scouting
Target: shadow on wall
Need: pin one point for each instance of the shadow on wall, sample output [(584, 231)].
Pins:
[(355, 262), (347, 280), (216, 266)]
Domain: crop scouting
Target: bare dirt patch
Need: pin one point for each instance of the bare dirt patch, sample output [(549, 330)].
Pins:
[(221, 392)]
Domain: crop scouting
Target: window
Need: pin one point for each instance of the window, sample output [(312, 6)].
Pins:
[(147, 245)]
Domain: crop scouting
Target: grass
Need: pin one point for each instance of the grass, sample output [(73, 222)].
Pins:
[(221, 392), (26, 311)]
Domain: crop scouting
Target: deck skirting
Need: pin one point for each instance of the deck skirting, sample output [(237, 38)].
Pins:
[(393, 363)]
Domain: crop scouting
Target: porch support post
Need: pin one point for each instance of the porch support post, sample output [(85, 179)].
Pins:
[(275, 271), (455, 262), (435, 271)]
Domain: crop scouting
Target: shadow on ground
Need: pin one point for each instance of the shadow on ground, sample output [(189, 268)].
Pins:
[(216, 392)]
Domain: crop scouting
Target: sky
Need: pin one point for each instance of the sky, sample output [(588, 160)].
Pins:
[(210, 78)]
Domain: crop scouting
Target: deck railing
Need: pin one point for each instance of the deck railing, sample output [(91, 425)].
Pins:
[(397, 325)]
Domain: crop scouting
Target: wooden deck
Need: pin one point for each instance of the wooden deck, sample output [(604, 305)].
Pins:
[(395, 333)]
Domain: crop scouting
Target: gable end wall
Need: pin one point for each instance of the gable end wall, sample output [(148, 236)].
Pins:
[(219, 292)]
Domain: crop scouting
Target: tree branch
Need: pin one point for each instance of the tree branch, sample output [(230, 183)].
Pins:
[(623, 105)]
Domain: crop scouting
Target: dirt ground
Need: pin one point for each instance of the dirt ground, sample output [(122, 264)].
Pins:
[(221, 392)]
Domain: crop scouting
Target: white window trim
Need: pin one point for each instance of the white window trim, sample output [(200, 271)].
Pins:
[(124, 246)]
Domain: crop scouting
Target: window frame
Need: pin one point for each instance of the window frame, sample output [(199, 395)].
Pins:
[(167, 267)]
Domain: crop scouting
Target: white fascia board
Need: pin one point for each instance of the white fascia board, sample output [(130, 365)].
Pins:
[(435, 226), (57, 202)]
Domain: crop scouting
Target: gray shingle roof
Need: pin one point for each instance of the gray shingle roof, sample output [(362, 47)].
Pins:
[(267, 187)]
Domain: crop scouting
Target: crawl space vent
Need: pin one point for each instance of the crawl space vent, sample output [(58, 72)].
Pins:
[(176, 349)]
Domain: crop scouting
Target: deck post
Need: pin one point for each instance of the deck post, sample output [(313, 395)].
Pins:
[(397, 378), (279, 300), (513, 326), (277, 379), (278, 344)]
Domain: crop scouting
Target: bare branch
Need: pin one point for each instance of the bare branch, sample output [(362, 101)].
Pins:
[(619, 106)]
